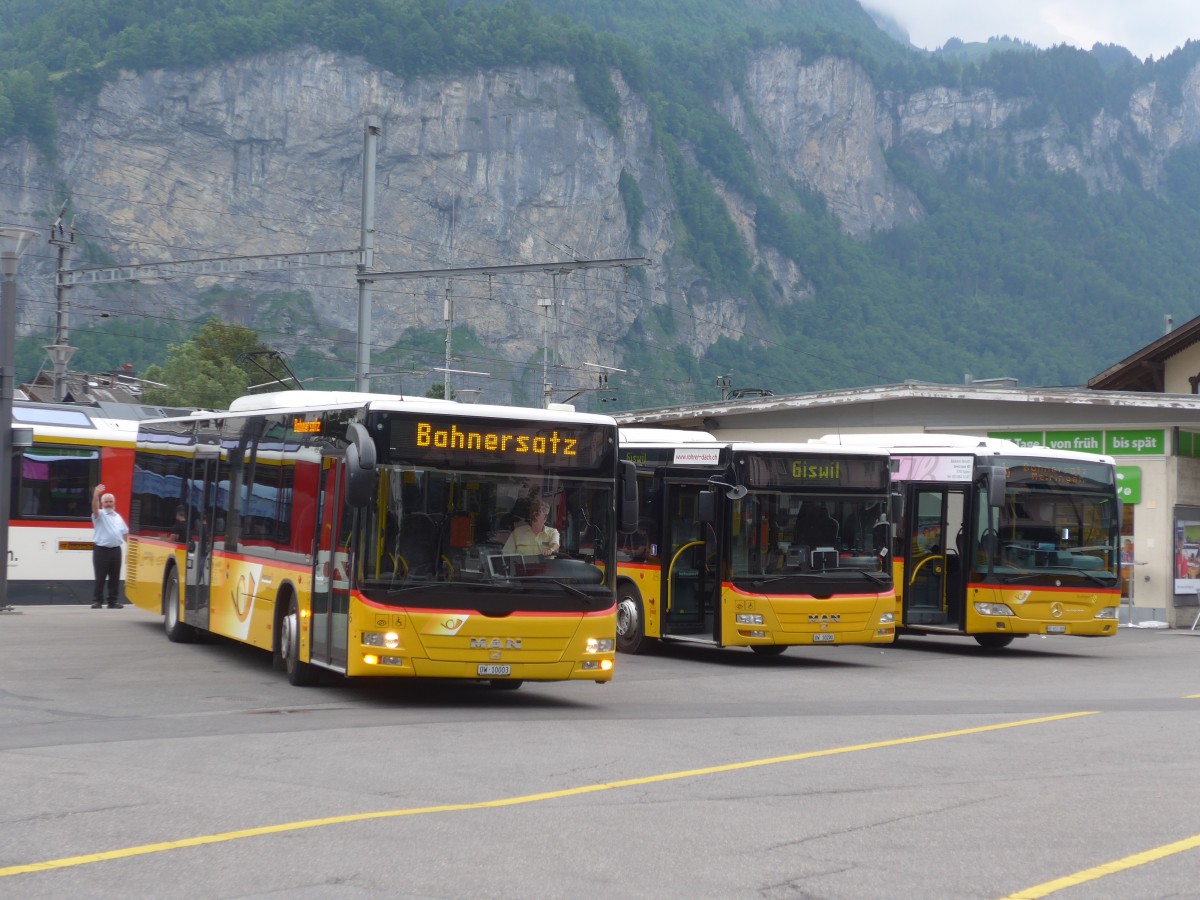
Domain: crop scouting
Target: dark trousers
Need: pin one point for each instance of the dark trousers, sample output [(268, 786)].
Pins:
[(106, 563)]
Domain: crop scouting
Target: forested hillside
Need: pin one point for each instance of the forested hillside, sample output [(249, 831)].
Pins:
[(1007, 266)]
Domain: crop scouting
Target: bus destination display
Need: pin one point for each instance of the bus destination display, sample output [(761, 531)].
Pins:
[(488, 442)]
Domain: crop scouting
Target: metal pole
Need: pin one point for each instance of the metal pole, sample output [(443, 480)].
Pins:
[(448, 314), (12, 245), (557, 327), (8, 303), (61, 350), (367, 248), (545, 304)]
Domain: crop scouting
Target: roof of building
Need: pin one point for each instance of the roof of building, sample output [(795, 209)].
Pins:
[(1147, 406), (1145, 370), (82, 387)]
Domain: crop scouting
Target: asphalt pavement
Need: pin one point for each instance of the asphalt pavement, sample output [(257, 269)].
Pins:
[(134, 767)]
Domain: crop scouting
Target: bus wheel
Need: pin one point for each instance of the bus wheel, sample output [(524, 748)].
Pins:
[(177, 631), (768, 649), (299, 673), (631, 620), (505, 684), (993, 641)]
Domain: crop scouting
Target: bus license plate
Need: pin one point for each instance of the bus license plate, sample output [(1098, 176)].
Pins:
[(1056, 629), (486, 671), (823, 638)]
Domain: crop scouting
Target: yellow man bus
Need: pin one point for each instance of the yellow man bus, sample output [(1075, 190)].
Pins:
[(999, 541), (365, 535), (754, 545)]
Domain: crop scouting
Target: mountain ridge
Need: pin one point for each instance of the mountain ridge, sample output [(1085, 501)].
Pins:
[(807, 224)]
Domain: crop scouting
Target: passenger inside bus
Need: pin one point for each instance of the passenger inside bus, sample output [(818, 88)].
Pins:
[(636, 547), (180, 528)]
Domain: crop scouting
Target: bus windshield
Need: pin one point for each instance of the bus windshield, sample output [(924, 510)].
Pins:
[(1046, 532), (826, 535), (493, 542)]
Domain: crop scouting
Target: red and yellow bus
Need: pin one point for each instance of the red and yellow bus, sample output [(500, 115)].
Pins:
[(365, 535), (72, 448), (999, 541), (755, 545)]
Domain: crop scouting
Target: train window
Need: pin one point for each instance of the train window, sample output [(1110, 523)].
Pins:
[(54, 482)]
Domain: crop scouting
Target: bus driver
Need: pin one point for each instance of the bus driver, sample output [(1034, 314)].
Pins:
[(533, 538)]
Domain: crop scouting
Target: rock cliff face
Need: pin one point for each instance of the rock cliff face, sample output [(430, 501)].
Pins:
[(264, 156)]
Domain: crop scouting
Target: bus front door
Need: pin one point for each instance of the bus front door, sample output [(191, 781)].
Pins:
[(331, 577), (203, 511), (934, 586), (690, 581)]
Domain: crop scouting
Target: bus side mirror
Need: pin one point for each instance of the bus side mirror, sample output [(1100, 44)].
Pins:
[(997, 485), (627, 514), (360, 466)]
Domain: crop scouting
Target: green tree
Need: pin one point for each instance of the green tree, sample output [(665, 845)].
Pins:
[(211, 369), (192, 380)]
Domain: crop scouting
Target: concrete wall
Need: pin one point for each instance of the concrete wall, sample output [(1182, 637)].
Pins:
[(1179, 368)]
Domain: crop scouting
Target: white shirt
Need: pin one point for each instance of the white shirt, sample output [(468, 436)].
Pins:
[(525, 541), (110, 528)]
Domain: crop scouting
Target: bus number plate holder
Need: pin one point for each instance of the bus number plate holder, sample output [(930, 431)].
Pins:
[(1056, 629), (492, 671), (823, 638)]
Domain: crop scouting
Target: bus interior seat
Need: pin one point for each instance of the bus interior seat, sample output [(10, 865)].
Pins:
[(417, 544), (815, 527)]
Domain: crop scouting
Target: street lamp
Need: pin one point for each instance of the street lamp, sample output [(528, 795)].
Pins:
[(13, 241)]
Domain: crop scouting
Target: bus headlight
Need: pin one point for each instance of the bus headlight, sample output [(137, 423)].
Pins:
[(388, 639), (993, 609), (372, 660), (887, 619), (1108, 612), (749, 619), (599, 645)]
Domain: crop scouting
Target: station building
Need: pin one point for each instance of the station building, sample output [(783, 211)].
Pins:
[(1144, 411)]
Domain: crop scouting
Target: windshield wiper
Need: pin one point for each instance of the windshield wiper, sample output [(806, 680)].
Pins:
[(571, 589), (878, 579), (1020, 576), (824, 573), (759, 582), (525, 582), (1059, 570), (1107, 579), (418, 586)]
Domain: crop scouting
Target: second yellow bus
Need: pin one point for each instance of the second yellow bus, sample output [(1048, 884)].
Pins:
[(755, 545)]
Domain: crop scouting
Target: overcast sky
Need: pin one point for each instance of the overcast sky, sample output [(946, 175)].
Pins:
[(1145, 27)]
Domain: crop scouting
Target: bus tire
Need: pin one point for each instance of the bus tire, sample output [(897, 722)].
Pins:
[(631, 619), (993, 641), (177, 630), (301, 674), (768, 649), (505, 684)]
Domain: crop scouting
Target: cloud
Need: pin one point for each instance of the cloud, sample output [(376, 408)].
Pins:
[(1149, 28)]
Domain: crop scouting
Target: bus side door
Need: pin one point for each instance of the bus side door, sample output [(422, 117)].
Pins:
[(934, 585), (690, 588)]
